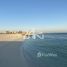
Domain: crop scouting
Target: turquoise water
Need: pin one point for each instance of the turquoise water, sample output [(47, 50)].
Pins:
[(36, 51)]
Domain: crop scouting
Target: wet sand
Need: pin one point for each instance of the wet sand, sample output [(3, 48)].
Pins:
[(10, 54)]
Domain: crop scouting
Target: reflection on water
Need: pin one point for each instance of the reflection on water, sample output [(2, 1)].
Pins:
[(51, 44)]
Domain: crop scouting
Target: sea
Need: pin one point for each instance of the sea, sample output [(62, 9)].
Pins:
[(49, 51)]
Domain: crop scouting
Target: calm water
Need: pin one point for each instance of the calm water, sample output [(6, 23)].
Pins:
[(48, 52)]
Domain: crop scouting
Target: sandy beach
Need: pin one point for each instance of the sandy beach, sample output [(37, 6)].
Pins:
[(11, 37)]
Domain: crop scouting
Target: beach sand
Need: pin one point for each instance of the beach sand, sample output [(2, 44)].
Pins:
[(11, 37)]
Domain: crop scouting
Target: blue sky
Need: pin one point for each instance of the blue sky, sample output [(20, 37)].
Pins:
[(48, 15)]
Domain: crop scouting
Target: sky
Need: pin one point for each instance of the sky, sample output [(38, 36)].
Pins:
[(45, 15)]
